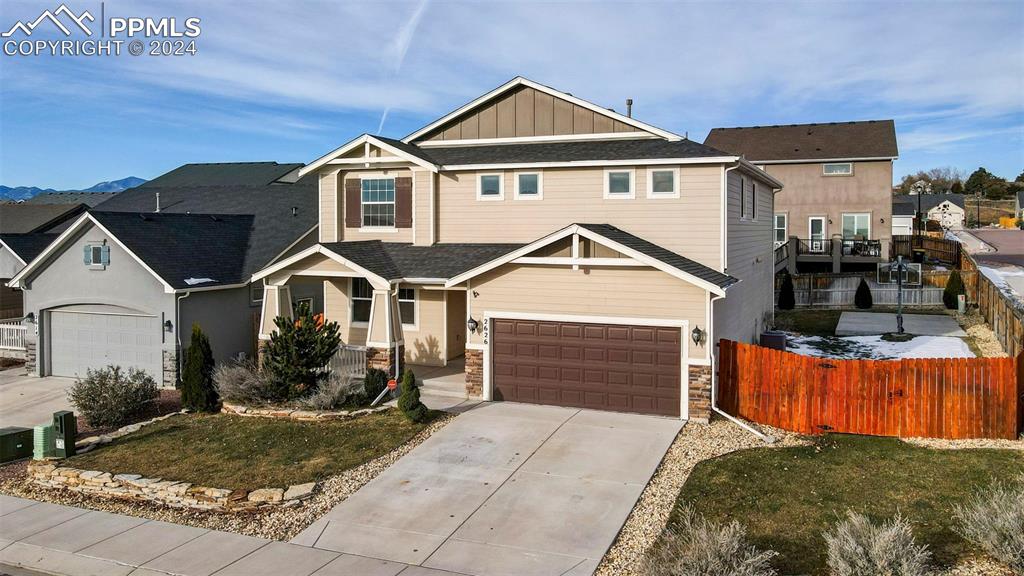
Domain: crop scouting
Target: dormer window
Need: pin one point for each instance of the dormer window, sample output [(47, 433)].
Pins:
[(837, 169)]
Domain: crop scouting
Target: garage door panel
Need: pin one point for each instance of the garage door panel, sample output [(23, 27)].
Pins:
[(81, 341), (609, 367)]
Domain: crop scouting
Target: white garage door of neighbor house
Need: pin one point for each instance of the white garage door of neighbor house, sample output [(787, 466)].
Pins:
[(81, 340)]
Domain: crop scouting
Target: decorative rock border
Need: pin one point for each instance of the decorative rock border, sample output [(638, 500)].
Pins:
[(175, 494), (85, 444), (288, 413)]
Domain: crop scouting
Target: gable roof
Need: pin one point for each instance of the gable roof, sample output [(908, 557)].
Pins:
[(520, 81), (400, 149), (24, 218), (904, 209), (872, 139), (928, 201), (90, 199), (223, 174), (27, 246)]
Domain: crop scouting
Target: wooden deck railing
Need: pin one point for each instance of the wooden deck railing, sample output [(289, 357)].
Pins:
[(12, 335), (349, 360)]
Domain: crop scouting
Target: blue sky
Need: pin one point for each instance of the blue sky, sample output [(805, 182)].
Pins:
[(289, 81)]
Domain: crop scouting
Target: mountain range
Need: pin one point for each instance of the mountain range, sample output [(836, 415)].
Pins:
[(25, 192)]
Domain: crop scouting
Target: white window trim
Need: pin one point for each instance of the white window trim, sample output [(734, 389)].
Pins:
[(501, 186), (394, 203), (252, 289), (415, 326), (825, 173), (675, 183), (309, 299), (540, 185), (618, 195), (842, 224), (351, 308), (743, 199), (785, 227), (753, 200)]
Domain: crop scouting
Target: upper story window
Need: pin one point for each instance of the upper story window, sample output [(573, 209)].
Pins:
[(743, 197), (378, 202), (490, 186), (663, 183), (96, 255), (362, 300), (837, 169), (618, 183), (753, 200), (256, 292), (407, 306), (529, 185), (781, 232)]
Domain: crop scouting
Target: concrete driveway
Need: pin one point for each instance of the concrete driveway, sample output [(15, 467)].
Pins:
[(873, 323), (29, 401), (505, 488)]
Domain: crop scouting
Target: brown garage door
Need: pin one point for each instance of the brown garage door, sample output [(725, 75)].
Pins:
[(600, 366)]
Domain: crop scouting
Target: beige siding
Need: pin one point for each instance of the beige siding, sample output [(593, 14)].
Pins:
[(810, 193), (687, 225), (614, 292), (422, 189), (395, 235), (456, 311), (329, 209), (748, 306), (526, 112), (336, 308), (425, 341)]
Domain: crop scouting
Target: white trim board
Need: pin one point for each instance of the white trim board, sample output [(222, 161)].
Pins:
[(374, 279), (363, 140), (538, 139), (15, 254)]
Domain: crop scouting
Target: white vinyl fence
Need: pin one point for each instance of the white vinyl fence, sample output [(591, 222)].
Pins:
[(839, 292), (12, 335), (349, 360)]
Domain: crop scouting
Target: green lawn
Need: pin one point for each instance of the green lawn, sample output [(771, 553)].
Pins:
[(787, 497), (239, 452)]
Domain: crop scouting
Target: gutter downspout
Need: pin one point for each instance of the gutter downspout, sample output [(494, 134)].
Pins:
[(177, 331)]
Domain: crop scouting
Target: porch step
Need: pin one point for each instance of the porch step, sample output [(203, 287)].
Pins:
[(444, 387)]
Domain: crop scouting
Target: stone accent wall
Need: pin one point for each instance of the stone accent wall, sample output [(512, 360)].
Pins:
[(380, 358), (170, 365), (700, 393), (291, 414), (31, 355), (474, 373), (49, 474)]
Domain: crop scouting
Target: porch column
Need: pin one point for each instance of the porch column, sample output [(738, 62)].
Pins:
[(385, 344), (277, 301), (794, 248)]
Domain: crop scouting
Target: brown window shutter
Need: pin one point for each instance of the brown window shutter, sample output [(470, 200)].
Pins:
[(403, 202), (353, 204)]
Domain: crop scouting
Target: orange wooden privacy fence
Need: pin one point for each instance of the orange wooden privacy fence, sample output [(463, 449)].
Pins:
[(934, 397)]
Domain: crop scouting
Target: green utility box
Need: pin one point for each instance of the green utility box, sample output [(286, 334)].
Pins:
[(15, 443), (43, 442), (65, 430)]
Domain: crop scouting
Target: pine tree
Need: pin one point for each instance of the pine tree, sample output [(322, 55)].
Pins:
[(409, 402), (198, 392), (862, 299), (954, 288), (298, 352), (787, 299)]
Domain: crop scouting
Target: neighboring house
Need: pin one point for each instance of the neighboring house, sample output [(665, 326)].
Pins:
[(23, 218), (124, 284), (903, 218), (946, 209), (837, 206), (90, 199), (17, 250), (554, 250)]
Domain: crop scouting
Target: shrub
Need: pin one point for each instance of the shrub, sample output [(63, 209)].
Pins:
[(787, 299), (696, 547), (862, 299), (954, 288), (245, 383), (336, 391), (994, 520), (409, 402), (111, 397), (375, 381), (856, 547), (197, 390), (299, 350)]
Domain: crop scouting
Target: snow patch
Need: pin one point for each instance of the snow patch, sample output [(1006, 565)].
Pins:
[(874, 348)]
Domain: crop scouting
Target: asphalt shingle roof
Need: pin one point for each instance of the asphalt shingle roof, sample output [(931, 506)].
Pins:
[(88, 198), (28, 246), (833, 140), (394, 260), (928, 201), (185, 249), (24, 218), (223, 174), (903, 209), (638, 149), (663, 254)]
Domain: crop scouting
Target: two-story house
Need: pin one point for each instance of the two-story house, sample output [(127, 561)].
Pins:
[(554, 250), (836, 211)]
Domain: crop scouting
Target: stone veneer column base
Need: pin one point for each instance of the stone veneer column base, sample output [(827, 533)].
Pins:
[(699, 395), (475, 373), (170, 368), (31, 356), (381, 358)]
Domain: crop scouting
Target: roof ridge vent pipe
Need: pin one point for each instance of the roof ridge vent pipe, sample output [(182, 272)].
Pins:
[(629, 107), (157, 201)]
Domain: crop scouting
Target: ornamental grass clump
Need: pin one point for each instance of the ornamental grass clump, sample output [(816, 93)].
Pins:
[(695, 546), (856, 547), (993, 519)]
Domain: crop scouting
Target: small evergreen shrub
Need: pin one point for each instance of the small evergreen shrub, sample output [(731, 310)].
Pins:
[(298, 352), (198, 392), (111, 397), (862, 299), (994, 520), (697, 547), (954, 288), (787, 298), (335, 392), (246, 384), (856, 547), (375, 381), (409, 402)]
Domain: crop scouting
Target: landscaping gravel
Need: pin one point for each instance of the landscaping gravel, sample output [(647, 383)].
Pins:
[(276, 524), (695, 443), (984, 338)]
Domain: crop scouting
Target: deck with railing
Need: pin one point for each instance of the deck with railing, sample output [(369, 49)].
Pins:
[(349, 360)]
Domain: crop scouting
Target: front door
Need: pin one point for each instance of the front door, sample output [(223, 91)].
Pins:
[(816, 233)]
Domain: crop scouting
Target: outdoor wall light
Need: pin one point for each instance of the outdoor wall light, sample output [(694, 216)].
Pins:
[(168, 325), (472, 325), (31, 317), (698, 335)]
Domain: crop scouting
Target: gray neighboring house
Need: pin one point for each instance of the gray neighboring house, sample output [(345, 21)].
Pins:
[(124, 284), (90, 199)]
